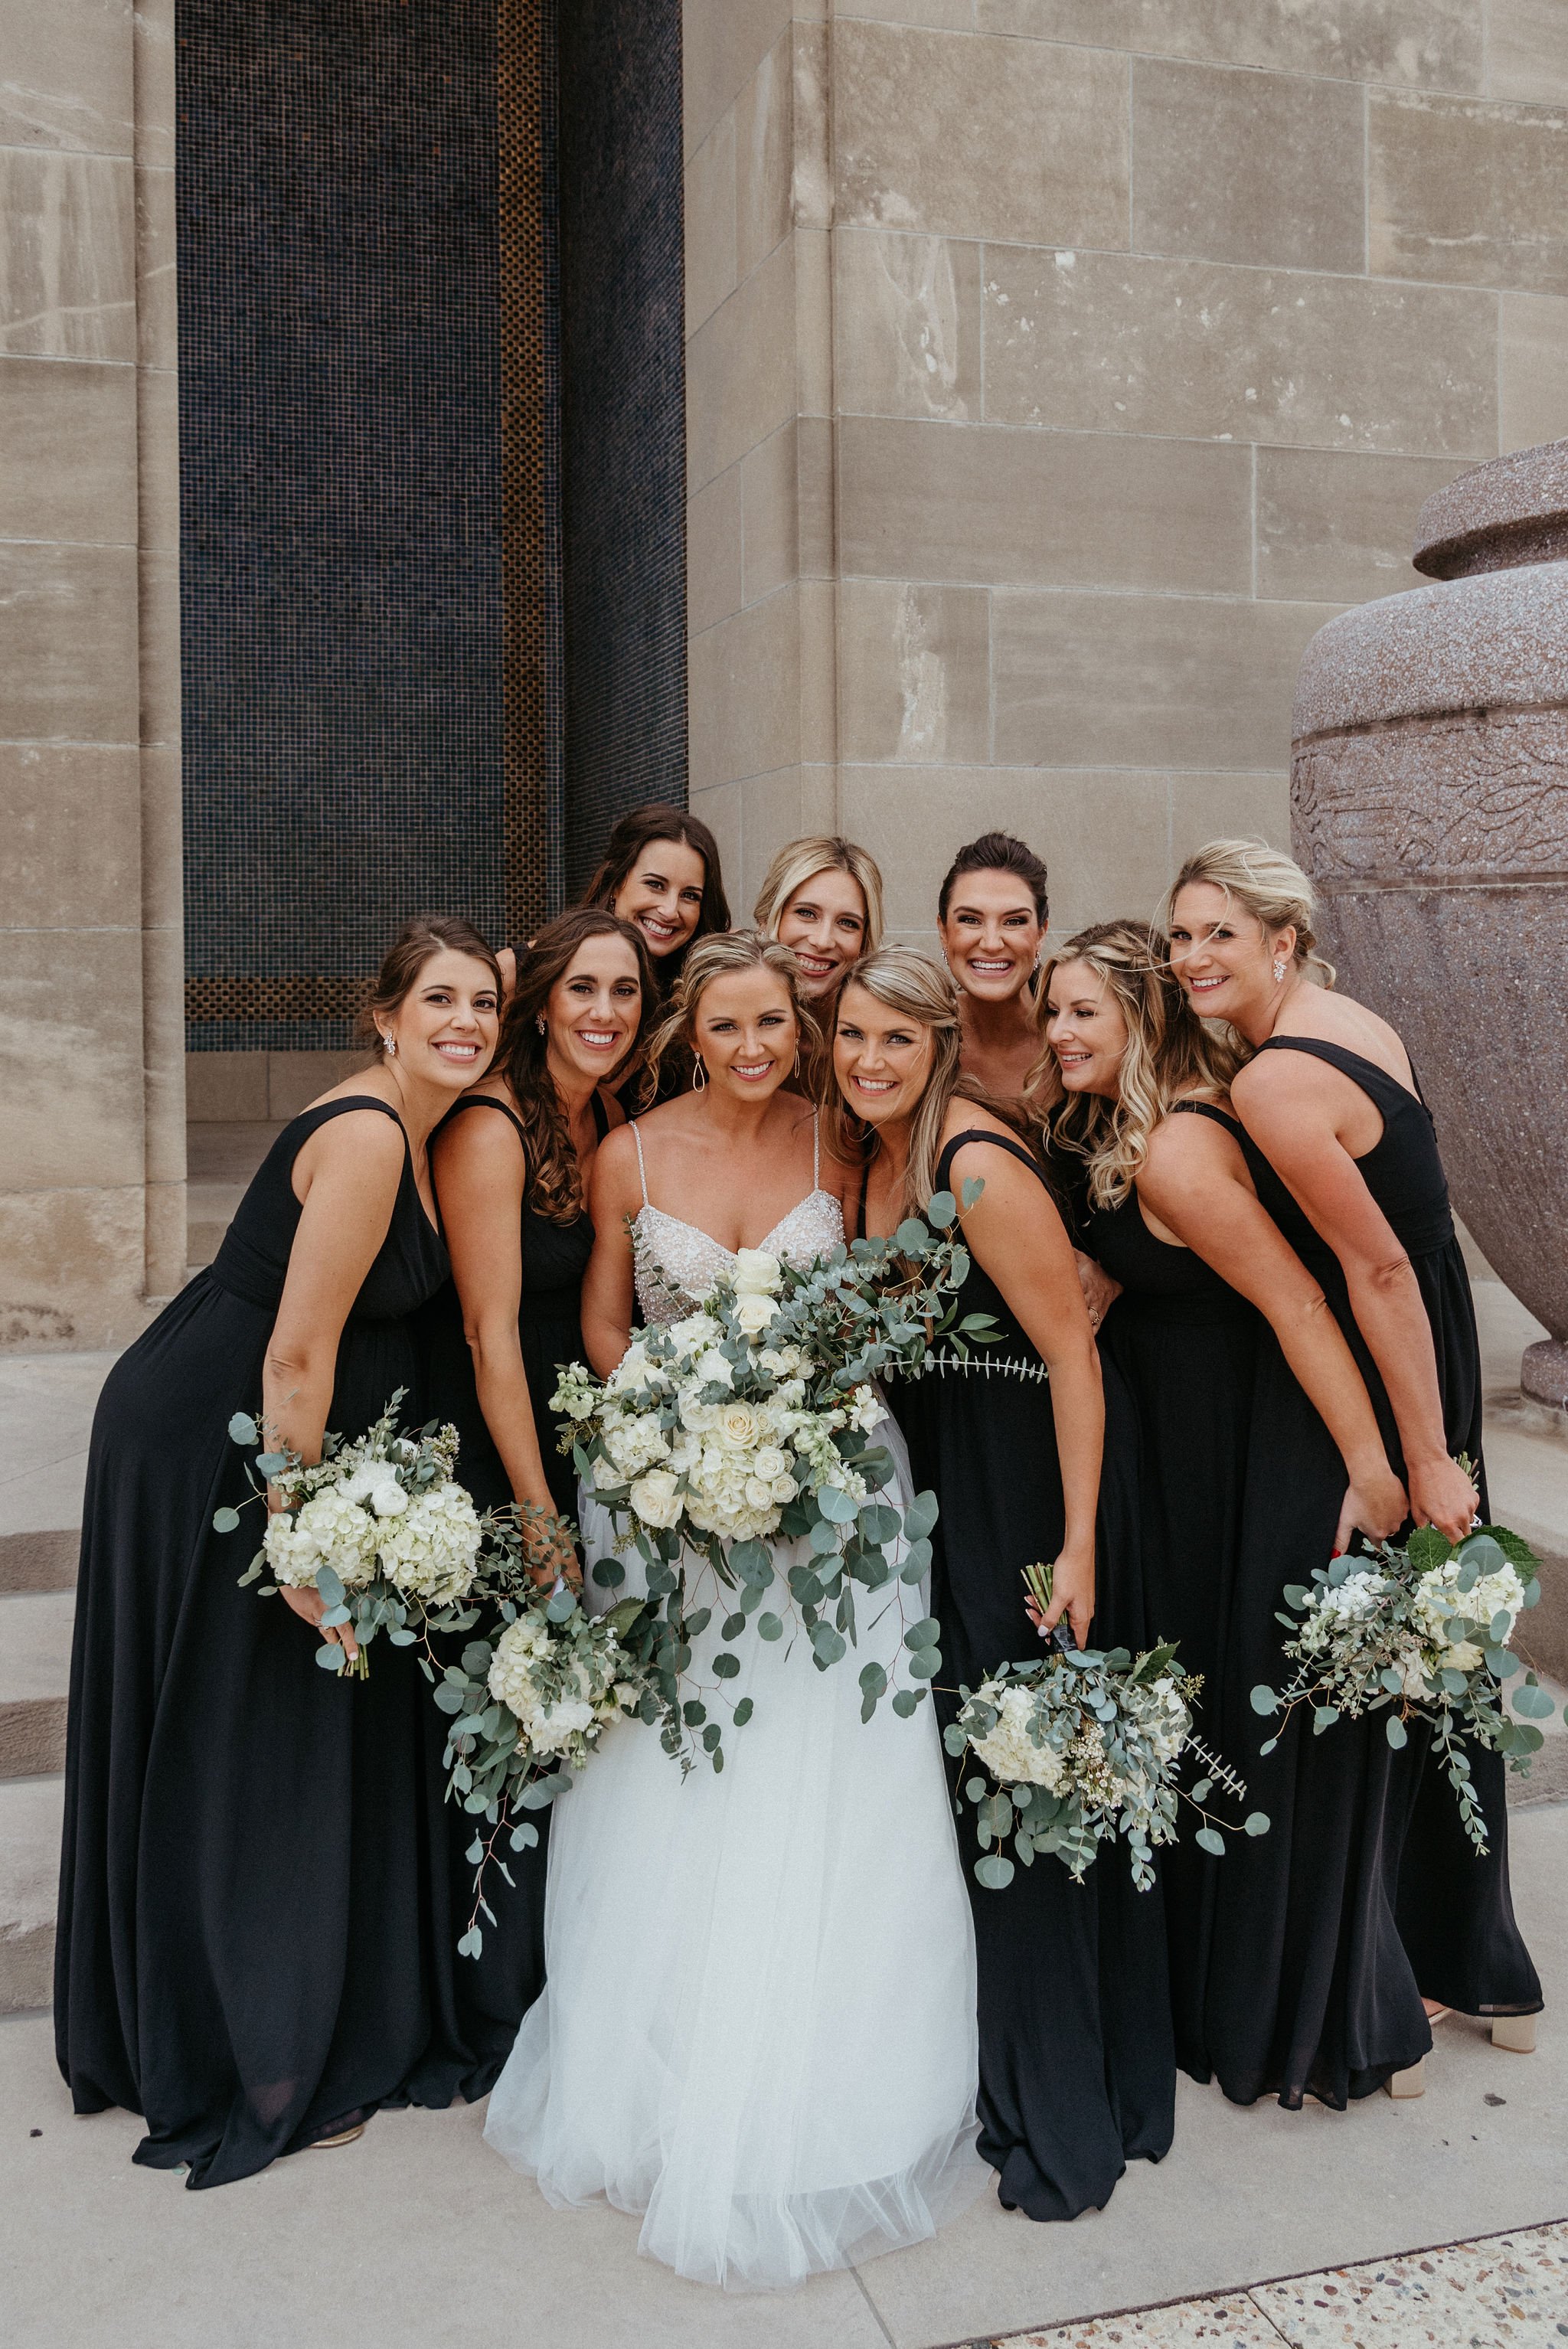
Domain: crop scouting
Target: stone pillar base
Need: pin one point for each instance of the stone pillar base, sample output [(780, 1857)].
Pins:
[(1543, 1372)]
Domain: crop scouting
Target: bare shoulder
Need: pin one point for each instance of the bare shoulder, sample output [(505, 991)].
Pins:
[(1185, 1150), (971, 1117), (616, 1157), (361, 1143)]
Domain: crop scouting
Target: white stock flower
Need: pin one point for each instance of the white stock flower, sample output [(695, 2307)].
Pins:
[(867, 1410), (656, 1499)]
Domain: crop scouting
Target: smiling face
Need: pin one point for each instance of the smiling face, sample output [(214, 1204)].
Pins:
[(1086, 1030), (593, 1009), (825, 924), (445, 1029), (1224, 957), (746, 1032), (881, 1059), (991, 935), (662, 895)]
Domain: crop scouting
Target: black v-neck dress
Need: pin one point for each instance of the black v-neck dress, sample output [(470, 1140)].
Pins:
[(1287, 1972), (1076, 2071), (509, 1972), (1454, 1910), (257, 1937)]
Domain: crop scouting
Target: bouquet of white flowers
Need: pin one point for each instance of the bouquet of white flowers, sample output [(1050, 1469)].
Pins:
[(1419, 1632), (380, 1527), (751, 1418), (1082, 1746), (529, 1704)]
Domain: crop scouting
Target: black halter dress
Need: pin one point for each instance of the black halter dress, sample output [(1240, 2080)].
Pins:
[(1287, 1972), (509, 1973), (257, 1941), (1076, 2071), (1454, 1910)]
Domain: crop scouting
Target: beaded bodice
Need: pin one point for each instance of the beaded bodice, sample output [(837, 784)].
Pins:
[(676, 1263)]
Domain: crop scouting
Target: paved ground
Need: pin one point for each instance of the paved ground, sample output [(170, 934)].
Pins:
[(419, 2234)]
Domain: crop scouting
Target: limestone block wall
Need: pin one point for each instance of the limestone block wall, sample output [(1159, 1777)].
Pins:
[(1056, 367), (92, 1218)]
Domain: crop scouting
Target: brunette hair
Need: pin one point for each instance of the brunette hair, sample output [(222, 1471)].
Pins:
[(554, 1180), (1265, 882), (416, 943), (997, 851), (926, 994), (639, 828), (800, 862), (716, 958), (1170, 1052)]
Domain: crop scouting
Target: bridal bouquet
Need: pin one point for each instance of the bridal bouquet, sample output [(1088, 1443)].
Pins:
[(1081, 1746), (529, 1702), (379, 1526), (1419, 1632), (752, 1418)]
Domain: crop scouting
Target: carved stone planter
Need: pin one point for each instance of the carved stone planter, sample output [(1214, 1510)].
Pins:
[(1429, 803)]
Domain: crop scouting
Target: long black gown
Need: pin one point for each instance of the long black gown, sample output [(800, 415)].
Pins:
[(1287, 1972), (1454, 1910), (257, 1936), (1077, 2070), (509, 1973)]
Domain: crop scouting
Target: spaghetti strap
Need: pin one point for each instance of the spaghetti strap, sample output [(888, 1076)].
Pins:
[(642, 1169), (816, 1150)]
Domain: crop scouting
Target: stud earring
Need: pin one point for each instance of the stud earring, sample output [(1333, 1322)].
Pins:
[(699, 1075), (1278, 970)]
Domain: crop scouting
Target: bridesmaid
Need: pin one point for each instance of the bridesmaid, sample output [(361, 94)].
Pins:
[(1260, 1453), (992, 914), (1077, 2075), (660, 872), (256, 1949), (823, 897), (512, 1188), (1342, 1148)]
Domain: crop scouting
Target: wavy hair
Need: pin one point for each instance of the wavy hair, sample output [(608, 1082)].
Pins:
[(522, 1055), (926, 994), (419, 941), (1170, 1052), (719, 956), (1265, 882), (800, 861), (639, 828)]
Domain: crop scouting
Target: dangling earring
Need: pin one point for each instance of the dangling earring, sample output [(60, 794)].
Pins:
[(390, 1046), (540, 1024), (700, 1077), (1278, 970)]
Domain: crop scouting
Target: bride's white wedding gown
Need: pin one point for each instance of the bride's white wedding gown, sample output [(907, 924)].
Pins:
[(759, 2026)]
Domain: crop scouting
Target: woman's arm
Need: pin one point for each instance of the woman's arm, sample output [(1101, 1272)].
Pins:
[(1293, 1116), (481, 1173), (609, 1294), (1016, 1236), (350, 1173), (1196, 1181)]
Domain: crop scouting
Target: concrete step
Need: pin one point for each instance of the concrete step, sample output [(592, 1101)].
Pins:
[(30, 1815), (221, 1159), (209, 1210), (35, 1679)]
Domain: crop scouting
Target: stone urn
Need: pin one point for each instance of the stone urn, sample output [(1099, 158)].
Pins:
[(1429, 803)]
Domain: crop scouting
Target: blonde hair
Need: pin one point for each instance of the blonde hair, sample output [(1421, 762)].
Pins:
[(1170, 1052), (718, 955), (800, 861), (926, 994), (1265, 882)]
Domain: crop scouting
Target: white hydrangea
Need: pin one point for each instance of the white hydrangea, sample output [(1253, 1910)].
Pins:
[(634, 1444), (1437, 1599), (429, 1552), (1007, 1750), (328, 1529)]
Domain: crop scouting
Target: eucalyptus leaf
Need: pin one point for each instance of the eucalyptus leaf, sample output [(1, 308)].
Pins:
[(224, 1521)]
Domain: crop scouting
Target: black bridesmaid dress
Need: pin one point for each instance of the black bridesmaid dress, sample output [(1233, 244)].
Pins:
[(1287, 1972), (1454, 1910), (1077, 2070), (508, 1975), (257, 1940)]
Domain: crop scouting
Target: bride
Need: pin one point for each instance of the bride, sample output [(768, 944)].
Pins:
[(759, 2028)]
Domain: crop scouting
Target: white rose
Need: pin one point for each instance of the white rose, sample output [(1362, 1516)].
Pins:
[(770, 1462), (737, 1429), (657, 1499), (753, 1312), (700, 1417), (757, 1274), (758, 1493)]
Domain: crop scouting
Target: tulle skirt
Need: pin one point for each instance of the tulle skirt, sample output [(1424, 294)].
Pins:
[(758, 2027)]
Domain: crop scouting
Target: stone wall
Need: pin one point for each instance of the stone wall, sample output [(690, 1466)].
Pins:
[(92, 1140), (1056, 367)]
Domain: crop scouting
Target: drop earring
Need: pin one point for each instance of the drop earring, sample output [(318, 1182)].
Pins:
[(540, 1024), (389, 1045), (699, 1075), (1278, 970)]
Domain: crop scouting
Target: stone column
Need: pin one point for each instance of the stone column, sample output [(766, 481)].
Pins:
[(89, 952)]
